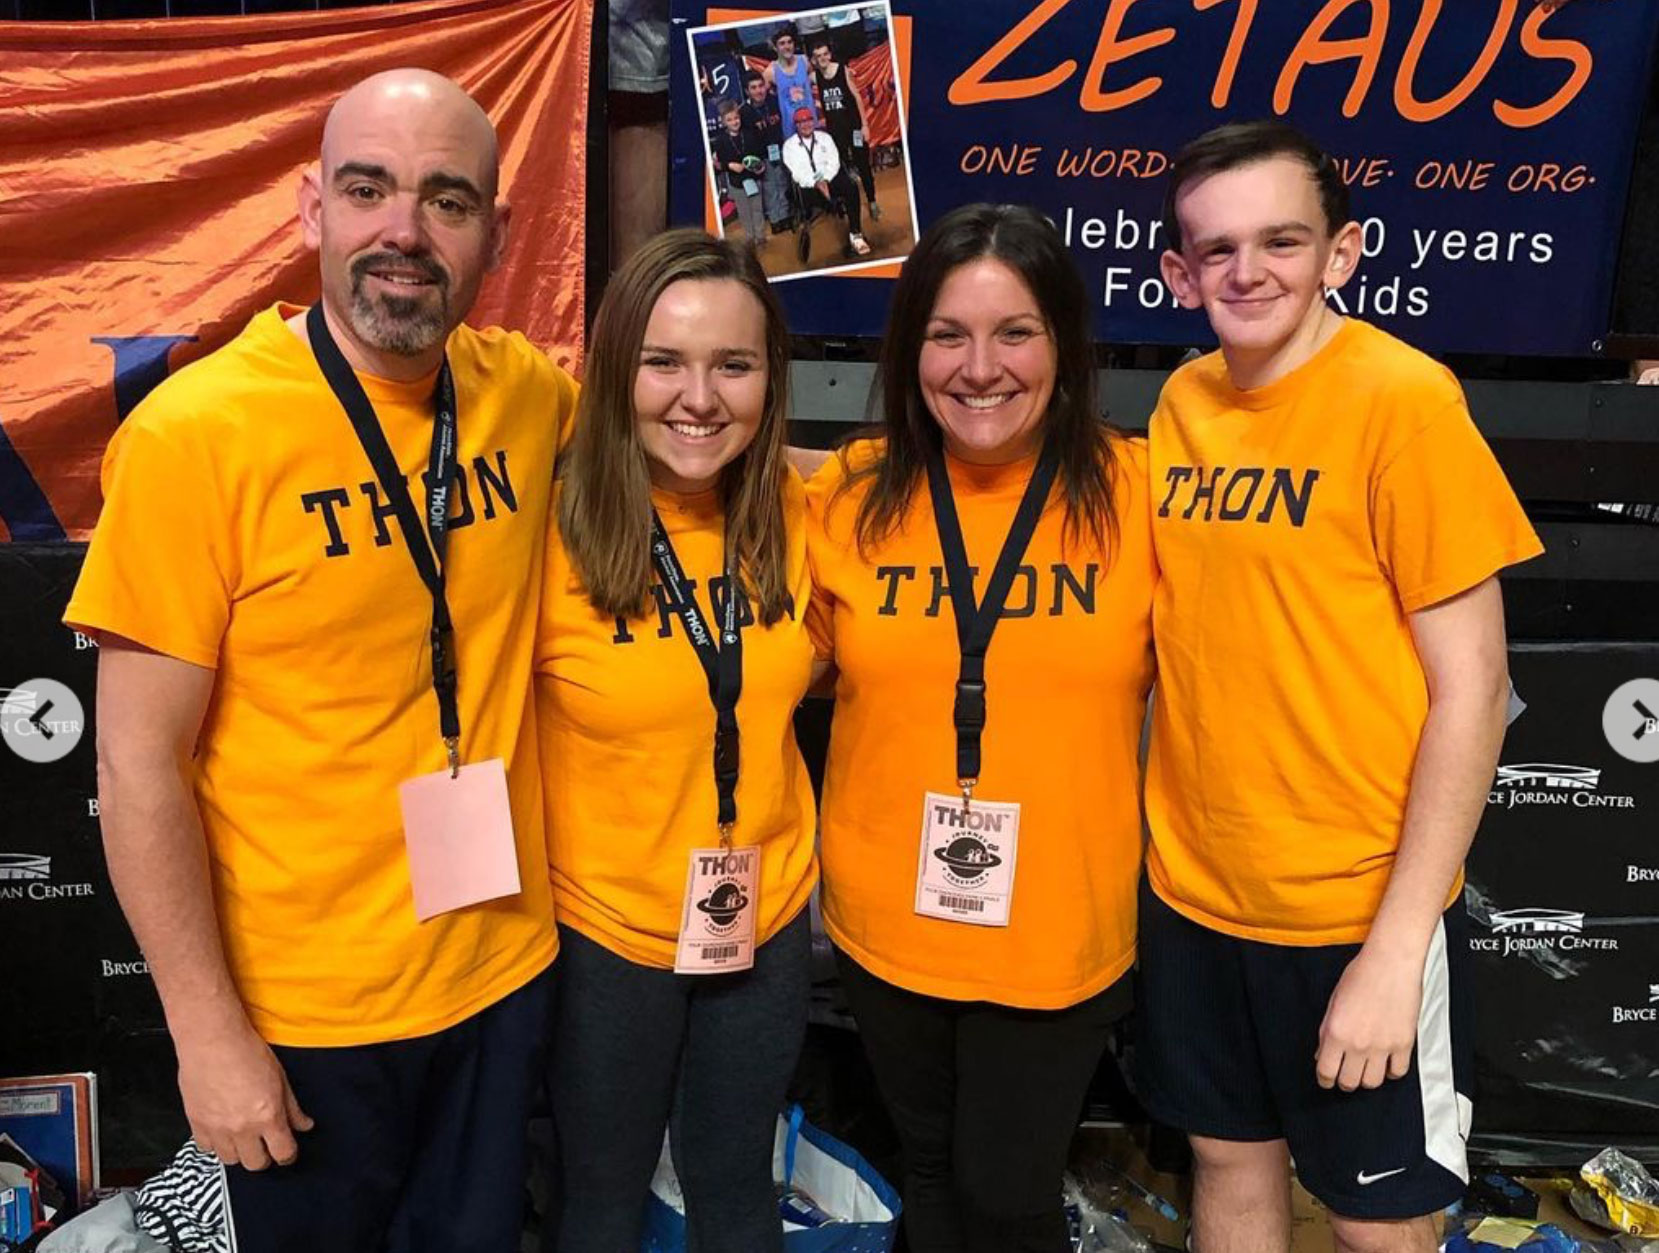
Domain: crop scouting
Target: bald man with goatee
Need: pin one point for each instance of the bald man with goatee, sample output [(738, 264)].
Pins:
[(315, 584)]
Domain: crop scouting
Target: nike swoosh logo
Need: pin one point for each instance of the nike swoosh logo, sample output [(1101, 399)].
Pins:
[(1366, 1180)]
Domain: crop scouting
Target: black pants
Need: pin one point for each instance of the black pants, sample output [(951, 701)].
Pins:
[(635, 1047), (985, 1099), (858, 157), (419, 1144), (843, 193)]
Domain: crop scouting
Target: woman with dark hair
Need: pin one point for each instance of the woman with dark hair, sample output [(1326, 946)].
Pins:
[(983, 573), (672, 634)]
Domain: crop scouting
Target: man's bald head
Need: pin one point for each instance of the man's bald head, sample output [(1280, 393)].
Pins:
[(403, 211), (418, 96)]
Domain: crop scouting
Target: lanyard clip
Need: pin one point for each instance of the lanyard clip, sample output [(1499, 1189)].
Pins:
[(452, 743), (969, 710), (967, 786), (726, 836)]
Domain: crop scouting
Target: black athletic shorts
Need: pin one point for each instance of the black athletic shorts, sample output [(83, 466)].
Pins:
[(1228, 1031)]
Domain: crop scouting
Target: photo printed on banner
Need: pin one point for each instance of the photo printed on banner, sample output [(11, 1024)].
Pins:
[(804, 140)]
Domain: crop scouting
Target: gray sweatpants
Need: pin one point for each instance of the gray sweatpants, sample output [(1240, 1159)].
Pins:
[(749, 209)]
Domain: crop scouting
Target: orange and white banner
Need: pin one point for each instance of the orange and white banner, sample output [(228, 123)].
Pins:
[(147, 180)]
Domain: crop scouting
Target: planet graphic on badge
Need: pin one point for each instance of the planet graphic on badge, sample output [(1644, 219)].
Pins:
[(724, 904), (967, 857)]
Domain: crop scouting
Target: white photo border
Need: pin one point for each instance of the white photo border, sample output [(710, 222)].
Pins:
[(899, 93)]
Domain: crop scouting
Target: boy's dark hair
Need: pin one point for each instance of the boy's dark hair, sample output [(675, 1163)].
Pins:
[(1244, 143), (788, 31), (820, 41)]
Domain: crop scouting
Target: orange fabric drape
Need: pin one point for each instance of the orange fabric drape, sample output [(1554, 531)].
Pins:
[(147, 180), (874, 71)]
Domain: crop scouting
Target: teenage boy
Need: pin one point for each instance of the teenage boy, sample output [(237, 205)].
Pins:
[(822, 183), (1332, 692), (761, 115), (842, 104), (790, 76)]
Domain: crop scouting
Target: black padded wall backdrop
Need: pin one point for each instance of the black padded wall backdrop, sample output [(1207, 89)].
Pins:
[(75, 993), (1563, 889)]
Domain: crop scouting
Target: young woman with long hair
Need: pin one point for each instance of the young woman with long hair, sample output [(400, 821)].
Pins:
[(673, 652)]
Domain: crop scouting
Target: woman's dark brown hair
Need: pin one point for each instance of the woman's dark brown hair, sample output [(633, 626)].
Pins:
[(1027, 243), (605, 508)]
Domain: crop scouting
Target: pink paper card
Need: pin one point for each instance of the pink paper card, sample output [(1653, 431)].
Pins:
[(459, 833)]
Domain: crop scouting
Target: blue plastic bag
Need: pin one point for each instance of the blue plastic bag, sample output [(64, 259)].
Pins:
[(840, 1182)]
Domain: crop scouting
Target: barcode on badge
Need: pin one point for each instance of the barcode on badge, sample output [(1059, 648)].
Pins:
[(720, 952), (970, 903)]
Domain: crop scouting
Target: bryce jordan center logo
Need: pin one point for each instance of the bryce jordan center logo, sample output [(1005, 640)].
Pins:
[(28, 877), (1623, 1014), (1535, 930), (1543, 783)]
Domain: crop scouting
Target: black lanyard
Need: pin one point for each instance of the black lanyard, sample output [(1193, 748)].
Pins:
[(975, 624), (722, 663), (429, 559)]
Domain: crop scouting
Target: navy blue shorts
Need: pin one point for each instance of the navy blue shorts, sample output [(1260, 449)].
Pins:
[(419, 1144), (1228, 1031)]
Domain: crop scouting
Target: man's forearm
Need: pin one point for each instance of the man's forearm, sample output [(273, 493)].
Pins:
[(157, 857), (1456, 759)]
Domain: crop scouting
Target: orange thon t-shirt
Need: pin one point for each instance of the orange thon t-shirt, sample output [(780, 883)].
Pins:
[(1297, 525), (627, 743), (1066, 679), (243, 530)]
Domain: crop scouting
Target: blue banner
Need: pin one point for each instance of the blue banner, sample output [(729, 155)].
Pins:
[(1487, 143)]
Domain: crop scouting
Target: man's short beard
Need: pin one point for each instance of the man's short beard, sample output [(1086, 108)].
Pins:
[(405, 326)]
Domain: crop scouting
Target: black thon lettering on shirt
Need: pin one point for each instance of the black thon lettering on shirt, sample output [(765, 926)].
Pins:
[(370, 516), (667, 618), (1242, 494), (1048, 592)]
